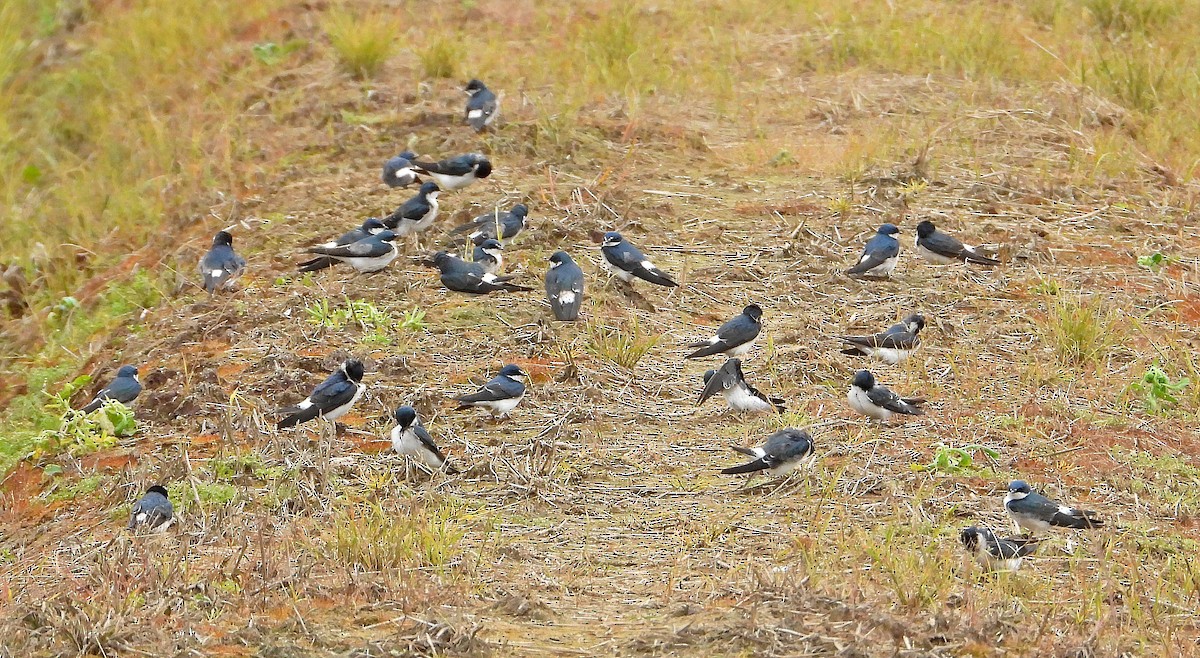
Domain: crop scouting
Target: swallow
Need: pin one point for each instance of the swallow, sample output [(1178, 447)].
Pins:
[(372, 226), (153, 510), (784, 452), (482, 106), (734, 338), (937, 247), (731, 383), (503, 226), (416, 214), (457, 172), (625, 261), (893, 345), (564, 287), (409, 437), (875, 400), (490, 254), (331, 399), (993, 553), (124, 388), (880, 254), (500, 395), (461, 276), (220, 266), (399, 172), (1033, 512), (370, 254)]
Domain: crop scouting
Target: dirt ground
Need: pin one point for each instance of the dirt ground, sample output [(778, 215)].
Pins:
[(594, 521)]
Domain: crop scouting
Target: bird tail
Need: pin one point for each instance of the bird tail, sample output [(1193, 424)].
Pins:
[(974, 257), (296, 415), (752, 467), (852, 351), (316, 264), (745, 451), (92, 406), (1081, 519), (780, 404), (659, 279), (512, 287), (707, 350)]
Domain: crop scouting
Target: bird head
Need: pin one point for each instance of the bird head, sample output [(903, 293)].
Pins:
[(373, 225), (612, 239), (864, 379), (474, 86), (520, 210), (429, 187), (491, 247), (889, 229), (222, 238), (128, 371), (1019, 487), (513, 372), (354, 370), (558, 258), (914, 323), (405, 416), (158, 489), (753, 312), (386, 236), (969, 538), (925, 229)]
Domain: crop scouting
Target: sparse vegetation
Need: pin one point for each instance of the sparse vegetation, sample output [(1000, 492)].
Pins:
[(363, 43), (623, 342), (1156, 390), (1082, 330), (441, 57), (371, 539), (959, 460)]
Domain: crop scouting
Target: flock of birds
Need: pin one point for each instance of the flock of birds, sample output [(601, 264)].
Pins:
[(372, 247)]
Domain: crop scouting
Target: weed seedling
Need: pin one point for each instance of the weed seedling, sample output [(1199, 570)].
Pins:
[(1157, 390)]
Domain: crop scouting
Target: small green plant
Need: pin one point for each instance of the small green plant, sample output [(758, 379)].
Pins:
[(271, 53), (951, 460), (71, 491), (366, 315), (623, 344), (1154, 261), (362, 43), (1156, 389), (211, 494), (841, 205), (1081, 330), (79, 433), (440, 59), (414, 320)]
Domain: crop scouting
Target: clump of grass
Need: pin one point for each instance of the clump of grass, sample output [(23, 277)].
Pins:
[(374, 540), (211, 494), (357, 311), (1081, 330), (957, 460), (624, 343), (441, 57), (1127, 16), (1171, 481), (362, 43)]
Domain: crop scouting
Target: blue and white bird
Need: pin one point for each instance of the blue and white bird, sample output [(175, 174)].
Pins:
[(489, 253), (457, 172), (994, 553), (564, 287), (877, 401), (370, 254), (416, 214), (880, 255), (784, 452), (893, 345), (1033, 512), (734, 338), (482, 106), (731, 383), (399, 172), (503, 226), (409, 437), (938, 247), (331, 399), (153, 510), (221, 266), (500, 395), (627, 262), (460, 276), (124, 388), (371, 226)]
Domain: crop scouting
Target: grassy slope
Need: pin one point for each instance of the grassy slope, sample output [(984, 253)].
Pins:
[(594, 521)]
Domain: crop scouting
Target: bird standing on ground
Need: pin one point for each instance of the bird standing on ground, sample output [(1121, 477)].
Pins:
[(510, 223), (399, 172), (734, 338), (153, 510), (460, 276), (880, 254), (124, 388), (371, 226), (457, 172), (938, 247), (994, 553), (490, 254), (416, 214), (370, 254), (564, 287), (1034, 512), (731, 383), (876, 401), (482, 106), (500, 395), (626, 262), (893, 345), (784, 452), (409, 437), (221, 266), (331, 399)]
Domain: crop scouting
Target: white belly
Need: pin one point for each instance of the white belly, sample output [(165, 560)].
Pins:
[(405, 442), (614, 270), (889, 355), (743, 349), (860, 402), (375, 264), (427, 220), (740, 399), (885, 268), (501, 407), (341, 411), (934, 257), (447, 182)]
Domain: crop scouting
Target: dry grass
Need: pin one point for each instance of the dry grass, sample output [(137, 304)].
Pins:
[(594, 521)]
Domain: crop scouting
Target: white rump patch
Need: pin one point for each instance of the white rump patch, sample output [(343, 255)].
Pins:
[(218, 272), (567, 297), (306, 404), (474, 114)]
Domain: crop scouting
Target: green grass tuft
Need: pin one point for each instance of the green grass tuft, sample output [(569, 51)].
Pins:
[(441, 57), (622, 343), (1081, 330), (376, 540), (363, 43)]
